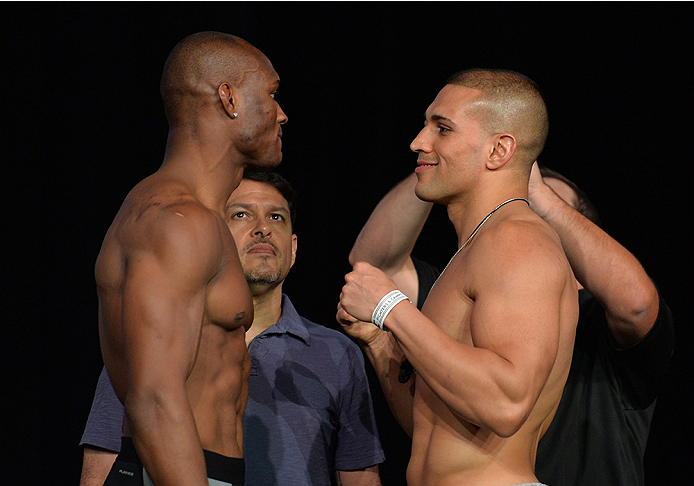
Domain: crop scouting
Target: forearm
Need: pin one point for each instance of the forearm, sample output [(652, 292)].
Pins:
[(96, 464), (368, 476), (163, 430), (489, 380), (385, 356), (387, 238), (476, 384), (606, 269)]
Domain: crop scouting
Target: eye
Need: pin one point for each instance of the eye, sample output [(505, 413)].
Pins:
[(443, 129), (277, 217), (238, 215)]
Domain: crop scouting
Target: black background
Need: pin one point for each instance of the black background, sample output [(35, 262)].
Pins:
[(83, 123)]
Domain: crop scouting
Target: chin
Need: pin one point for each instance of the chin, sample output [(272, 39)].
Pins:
[(422, 193), (264, 276), (264, 165), (432, 196)]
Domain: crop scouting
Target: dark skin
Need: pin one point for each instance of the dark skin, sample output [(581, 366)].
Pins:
[(254, 209), (173, 301)]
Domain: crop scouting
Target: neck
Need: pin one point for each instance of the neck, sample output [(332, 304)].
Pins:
[(463, 244), (267, 310), (208, 169), (467, 213)]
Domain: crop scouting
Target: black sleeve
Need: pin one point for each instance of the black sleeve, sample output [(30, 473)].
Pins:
[(639, 369), (644, 365), (426, 275)]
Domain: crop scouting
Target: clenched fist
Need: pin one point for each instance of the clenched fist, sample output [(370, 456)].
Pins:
[(364, 287)]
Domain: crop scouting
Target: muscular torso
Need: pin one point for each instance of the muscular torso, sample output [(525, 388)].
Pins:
[(217, 363), (447, 449)]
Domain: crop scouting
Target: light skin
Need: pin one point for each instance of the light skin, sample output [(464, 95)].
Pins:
[(258, 217), (625, 291), (173, 302), (492, 345)]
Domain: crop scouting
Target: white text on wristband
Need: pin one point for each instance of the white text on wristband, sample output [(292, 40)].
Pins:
[(386, 304)]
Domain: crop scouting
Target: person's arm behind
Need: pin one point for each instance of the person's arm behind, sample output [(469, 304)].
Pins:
[(96, 464), (102, 433), (386, 242), (604, 267), (367, 476), (389, 235)]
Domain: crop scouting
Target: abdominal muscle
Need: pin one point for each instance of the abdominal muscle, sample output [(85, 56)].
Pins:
[(450, 451), (217, 389)]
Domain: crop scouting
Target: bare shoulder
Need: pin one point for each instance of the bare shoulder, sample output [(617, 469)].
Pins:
[(525, 246), (162, 221), (164, 209), (523, 288)]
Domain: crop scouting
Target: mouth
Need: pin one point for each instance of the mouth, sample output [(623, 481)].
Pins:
[(423, 165), (262, 249)]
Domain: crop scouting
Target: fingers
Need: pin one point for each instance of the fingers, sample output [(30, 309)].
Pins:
[(343, 317), (364, 287), (535, 176), (362, 267)]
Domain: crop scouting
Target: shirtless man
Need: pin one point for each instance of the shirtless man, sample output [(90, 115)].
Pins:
[(173, 300), (492, 344)]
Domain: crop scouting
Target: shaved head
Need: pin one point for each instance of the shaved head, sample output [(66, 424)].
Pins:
[(509, 102), (199, 64)]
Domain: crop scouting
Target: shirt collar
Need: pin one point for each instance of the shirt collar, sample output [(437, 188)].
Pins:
[(290, 322)]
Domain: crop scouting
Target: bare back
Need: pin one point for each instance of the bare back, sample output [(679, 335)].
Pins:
[(173, 310), (512, 296)]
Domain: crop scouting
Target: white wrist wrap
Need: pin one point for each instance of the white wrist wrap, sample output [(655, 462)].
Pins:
[(390, 300)]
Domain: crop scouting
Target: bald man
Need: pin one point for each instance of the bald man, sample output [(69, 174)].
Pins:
[(492, 344), (174, 305)]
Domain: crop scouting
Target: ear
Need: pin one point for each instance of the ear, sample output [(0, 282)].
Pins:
[(293, 251), (503, 147), (226, 95)]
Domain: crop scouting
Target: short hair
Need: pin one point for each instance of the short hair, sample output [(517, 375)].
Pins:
[(278, 182), (582, 204), (197, 65), (511, 102)]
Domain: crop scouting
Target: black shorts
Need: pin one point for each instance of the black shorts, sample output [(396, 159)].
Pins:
[(128, 469)]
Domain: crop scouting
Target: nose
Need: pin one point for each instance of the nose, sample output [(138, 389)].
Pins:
[(419, 142), (281, 116), (261, 228)]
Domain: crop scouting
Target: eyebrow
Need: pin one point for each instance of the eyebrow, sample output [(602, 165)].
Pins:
[(442, 118), (272, 208)]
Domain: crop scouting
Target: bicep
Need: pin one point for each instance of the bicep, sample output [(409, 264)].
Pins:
[(163, 305), (517, 312), (161, 320)]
